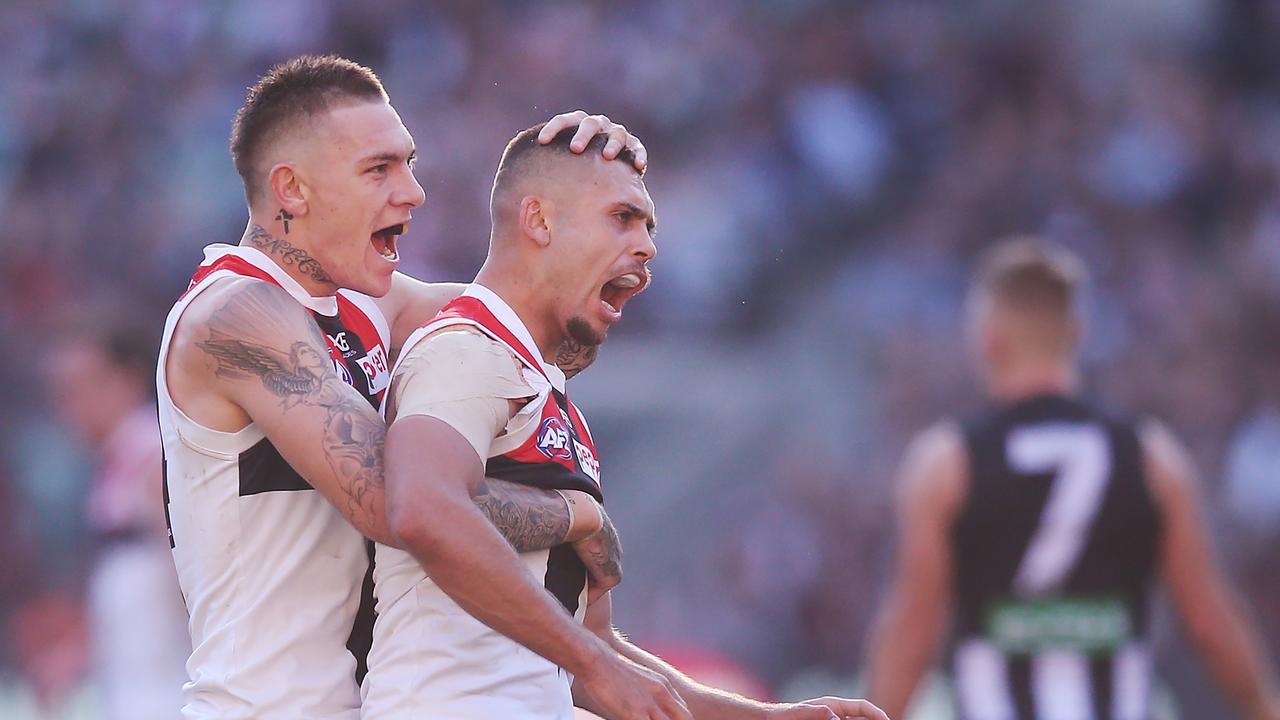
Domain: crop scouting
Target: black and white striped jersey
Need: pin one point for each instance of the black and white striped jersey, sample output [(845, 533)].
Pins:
[(1055, 553)]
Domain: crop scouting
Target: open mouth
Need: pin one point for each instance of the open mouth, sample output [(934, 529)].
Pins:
[(384, 240), (615, 293)]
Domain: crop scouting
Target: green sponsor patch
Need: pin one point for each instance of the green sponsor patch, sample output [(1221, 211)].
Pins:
[(1080, 624)]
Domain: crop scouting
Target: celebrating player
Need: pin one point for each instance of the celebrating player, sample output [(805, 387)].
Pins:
[(270, 370), (476, 392)]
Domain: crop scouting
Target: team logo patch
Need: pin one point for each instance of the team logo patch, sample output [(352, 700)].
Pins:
[(554, 439)]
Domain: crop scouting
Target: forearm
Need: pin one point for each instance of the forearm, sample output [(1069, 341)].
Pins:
[(1239, 665), (472, 563), (704, 702), (901, 650), (529, 518)]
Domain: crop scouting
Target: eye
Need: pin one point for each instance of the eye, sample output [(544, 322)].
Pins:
[(379, 169)]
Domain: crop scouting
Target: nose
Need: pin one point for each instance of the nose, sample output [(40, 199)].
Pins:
[(410, 194), (646, 249)]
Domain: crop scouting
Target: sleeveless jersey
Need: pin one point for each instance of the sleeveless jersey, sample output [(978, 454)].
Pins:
[(429, 656), (271, 572), (1055, 556)]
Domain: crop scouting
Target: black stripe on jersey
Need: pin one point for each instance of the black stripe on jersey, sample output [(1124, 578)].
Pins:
[(164, 489), (1020, 687), (544, 475), (262, 469), (360, 641), (1100, 668), (566, 576)]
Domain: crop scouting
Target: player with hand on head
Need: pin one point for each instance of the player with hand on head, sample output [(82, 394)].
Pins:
[(271, 368), (1041, 526), (477, 392)]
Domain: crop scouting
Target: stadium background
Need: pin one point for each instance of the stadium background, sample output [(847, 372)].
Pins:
[(824, 173)]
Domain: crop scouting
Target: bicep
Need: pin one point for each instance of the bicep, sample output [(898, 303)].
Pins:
[(1186, 556), (930, 487)]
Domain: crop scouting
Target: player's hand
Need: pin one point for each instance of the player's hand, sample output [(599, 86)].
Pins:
[(602, 554), (828, 708), (625, 691), (588, 127)]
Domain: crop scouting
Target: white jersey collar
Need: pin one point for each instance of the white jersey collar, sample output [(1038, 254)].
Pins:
[(323, 304), (512, 321)]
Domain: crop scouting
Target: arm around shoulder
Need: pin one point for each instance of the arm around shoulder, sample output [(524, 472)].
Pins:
[(264, 354)]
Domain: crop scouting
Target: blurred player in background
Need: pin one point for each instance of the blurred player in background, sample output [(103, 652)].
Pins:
[(1040, 527), (137, 622), (477, 392), (271, 368)]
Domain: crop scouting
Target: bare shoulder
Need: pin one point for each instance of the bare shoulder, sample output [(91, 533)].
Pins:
[(239, 313), (412, 302), (934, 469), (1169, 468)]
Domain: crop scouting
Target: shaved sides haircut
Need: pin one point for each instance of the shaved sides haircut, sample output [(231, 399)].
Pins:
[(1037, 283), (524, 157), (290, 92), (1025, 273)]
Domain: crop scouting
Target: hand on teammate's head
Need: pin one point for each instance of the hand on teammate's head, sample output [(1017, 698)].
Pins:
[(588, 127)]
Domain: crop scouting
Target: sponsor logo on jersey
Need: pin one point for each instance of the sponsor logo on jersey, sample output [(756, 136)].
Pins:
[(376, 369), (340, 340), (554, 439), (587, 459)]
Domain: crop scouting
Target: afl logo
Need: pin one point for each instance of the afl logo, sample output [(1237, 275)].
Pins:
[(554, 439)]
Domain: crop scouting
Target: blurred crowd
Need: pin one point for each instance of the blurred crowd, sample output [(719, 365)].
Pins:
[(824, 172)]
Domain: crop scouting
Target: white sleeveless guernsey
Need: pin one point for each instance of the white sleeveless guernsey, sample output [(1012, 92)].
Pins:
[(431, 659), (270, 571)]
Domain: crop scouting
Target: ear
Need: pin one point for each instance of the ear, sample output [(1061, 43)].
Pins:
[(287, 192), (536, 216)]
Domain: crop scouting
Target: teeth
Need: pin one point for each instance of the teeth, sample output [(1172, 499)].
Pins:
[(611, 307), (627, 281)]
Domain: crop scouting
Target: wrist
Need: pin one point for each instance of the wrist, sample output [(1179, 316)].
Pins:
[(593, 658)]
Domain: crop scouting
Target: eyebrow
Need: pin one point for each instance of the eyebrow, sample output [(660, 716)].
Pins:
[(389, 157), (650, 221)]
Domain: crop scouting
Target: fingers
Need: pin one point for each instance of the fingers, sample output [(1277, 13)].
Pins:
[(588, 127), (558, 123), (591, 126), (849, 708)]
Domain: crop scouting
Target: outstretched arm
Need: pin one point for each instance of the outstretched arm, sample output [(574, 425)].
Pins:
[(1215, 621), (913, 618), (708, 703)]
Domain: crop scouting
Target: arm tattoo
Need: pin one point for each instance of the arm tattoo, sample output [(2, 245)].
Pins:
[(604, 553), (574, 357), (301, 375), (289, 255), (529, 518)]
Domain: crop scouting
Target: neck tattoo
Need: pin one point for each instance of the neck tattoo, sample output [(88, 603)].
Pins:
[(284, 216), (289, 255)]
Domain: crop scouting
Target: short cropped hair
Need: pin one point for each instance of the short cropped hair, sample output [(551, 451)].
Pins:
[(1027, 275), (304, 86), (524, 150)]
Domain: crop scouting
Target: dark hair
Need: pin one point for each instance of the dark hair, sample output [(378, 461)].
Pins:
[(306, 85), (524, 148), (1029, 275)]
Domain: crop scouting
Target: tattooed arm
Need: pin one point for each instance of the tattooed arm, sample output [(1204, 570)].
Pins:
[(247, 352)]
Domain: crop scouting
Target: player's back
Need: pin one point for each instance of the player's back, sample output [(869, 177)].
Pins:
[(1055, 550)]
